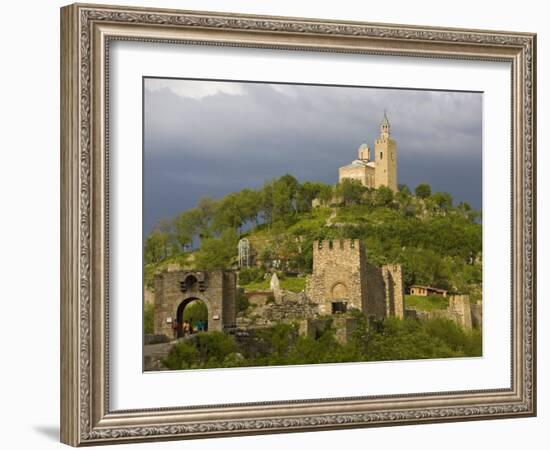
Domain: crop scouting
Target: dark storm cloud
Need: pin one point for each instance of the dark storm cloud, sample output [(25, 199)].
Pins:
[(211, 138)]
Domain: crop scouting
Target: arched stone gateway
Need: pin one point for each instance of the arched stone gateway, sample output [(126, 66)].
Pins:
[(175, 290), (195, 311)]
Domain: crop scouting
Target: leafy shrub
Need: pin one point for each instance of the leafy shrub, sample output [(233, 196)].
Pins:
[(215, 345), (280, 338), (423, 190), (379, 340), (184, 355), (204, 350), (463, 342), (249, 275), (383, 196), (242, 301), (234, 360), (395, 339)]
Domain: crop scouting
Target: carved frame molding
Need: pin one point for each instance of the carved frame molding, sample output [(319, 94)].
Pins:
[(86, 31)]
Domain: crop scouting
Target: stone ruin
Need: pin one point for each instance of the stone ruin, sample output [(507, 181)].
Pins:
[(460, 311), (342, 281)]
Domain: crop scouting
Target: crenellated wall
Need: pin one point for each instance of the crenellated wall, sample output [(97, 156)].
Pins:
[(341, 274), (337, 274)]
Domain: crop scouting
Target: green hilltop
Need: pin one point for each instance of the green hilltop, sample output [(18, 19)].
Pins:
[(437, 242)]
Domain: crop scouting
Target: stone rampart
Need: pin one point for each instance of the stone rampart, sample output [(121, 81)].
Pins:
[(459, 311)]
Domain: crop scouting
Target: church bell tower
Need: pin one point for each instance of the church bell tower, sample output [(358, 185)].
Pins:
[(385, 157)]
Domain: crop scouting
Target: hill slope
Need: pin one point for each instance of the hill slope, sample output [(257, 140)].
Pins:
[(436, 243)]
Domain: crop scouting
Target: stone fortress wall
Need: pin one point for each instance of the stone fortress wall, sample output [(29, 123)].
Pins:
[(460, 311), (342, 275), (342, 280), (337, 275), (393, 281)]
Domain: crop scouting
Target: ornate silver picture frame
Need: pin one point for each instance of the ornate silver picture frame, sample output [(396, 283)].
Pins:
[(87, 33)]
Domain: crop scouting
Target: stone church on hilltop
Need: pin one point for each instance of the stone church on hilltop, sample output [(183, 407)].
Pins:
[(380, 170)]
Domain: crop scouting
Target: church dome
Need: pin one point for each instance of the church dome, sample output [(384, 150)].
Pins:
[(363, 152)]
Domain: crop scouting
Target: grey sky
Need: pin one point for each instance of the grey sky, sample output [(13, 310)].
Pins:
[(208, 138)]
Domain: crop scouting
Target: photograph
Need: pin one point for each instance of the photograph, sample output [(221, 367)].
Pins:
[(295, 224), (273, 221)]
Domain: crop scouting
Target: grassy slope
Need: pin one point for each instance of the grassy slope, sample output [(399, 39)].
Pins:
[(294, 284), (428, 303), (391, 236)]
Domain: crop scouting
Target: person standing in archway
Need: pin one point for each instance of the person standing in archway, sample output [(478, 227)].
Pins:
[(175, 328), (186, 328), (200, 326)]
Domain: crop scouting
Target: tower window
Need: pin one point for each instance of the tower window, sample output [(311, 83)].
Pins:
[(380, 155)]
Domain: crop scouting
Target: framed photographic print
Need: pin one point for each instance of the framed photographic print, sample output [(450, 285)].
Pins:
[(278, 224)]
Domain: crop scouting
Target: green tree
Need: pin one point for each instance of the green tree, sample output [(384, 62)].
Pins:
[(442, 200), (206, 208), (267, 255), (326, 193), (351, 191), (218, 253), (423, 190), (156, 246), (467, 212), (186, 225), (284, 193), (404, 189), (287, 250), (249, 204), (383, 196), (404, 200), (423, 266), (267, 202), (309, 191), (229, 213)]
